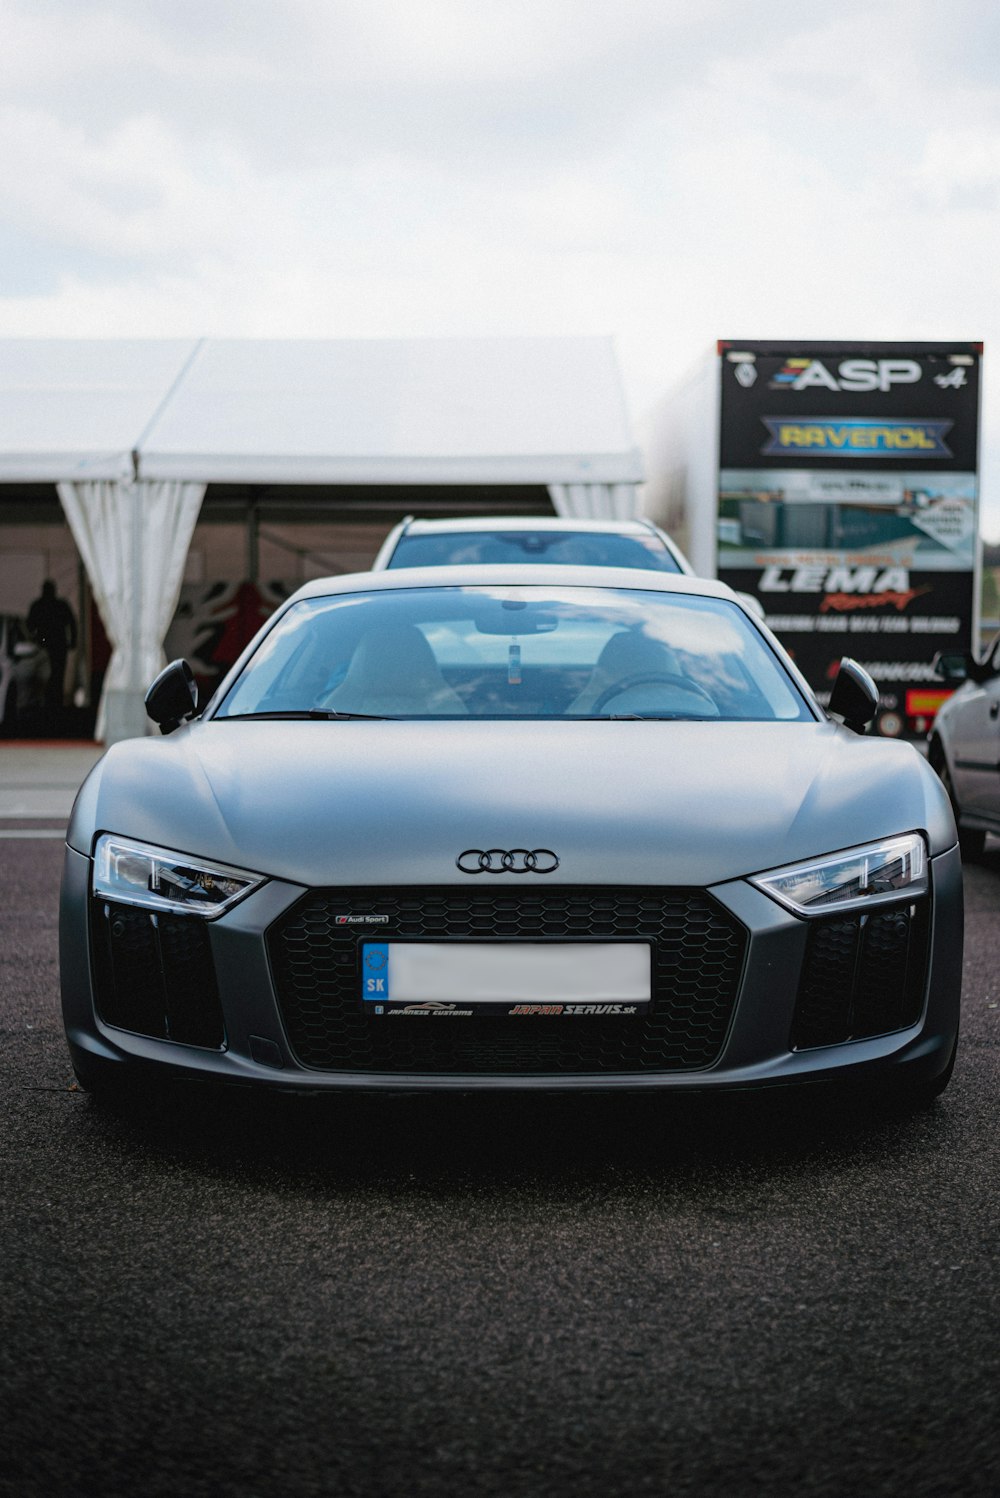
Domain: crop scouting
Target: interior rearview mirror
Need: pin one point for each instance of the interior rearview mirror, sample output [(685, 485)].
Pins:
[(515, 619)]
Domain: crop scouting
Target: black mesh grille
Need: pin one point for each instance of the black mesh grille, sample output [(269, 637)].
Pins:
[(863, 975), (697, 951), (155, 974)]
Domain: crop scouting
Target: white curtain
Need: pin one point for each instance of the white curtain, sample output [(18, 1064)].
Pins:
[(133, 537), (595, 501)]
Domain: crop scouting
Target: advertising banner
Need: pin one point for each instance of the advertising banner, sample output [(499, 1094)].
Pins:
[(848, 505)]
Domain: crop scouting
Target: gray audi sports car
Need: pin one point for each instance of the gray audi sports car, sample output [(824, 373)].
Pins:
[(513, 827)]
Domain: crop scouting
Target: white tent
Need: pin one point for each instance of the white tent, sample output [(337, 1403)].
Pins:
[(388, 411), (77, 408), (131, 431)]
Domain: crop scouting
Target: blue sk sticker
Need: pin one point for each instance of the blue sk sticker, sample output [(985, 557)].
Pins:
[(375, 971)]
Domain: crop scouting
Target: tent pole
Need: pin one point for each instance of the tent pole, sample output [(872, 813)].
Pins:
[(253, 537), (81, 675), (136, 586)]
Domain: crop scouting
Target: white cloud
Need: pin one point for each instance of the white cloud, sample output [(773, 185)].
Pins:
[(670, 174)]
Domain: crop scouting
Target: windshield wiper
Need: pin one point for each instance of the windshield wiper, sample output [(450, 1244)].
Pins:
[(646, 718), (320, 714)]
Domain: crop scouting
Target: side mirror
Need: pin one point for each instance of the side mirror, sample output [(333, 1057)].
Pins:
[(854, 697), (979, 671), (951, 667), (173, 697)]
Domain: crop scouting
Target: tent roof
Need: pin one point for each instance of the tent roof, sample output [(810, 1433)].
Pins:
[(75, 408), (382, 411)]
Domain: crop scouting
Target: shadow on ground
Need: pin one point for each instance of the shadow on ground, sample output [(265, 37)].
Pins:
[(466, 1142)]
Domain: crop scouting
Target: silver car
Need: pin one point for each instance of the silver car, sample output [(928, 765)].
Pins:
[(513, 828), (494, 540), (964, 745)]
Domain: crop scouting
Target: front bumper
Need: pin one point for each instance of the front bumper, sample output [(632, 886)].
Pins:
[(756, 1050)]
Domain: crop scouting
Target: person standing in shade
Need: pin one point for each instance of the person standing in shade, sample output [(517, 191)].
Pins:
[(53, 625)]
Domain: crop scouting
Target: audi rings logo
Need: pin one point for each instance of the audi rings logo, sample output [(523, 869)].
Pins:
[(507, 861)]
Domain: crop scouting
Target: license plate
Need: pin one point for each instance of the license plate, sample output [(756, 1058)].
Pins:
[(518, 979)]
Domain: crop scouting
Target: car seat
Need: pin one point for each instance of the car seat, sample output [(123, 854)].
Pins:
[(393, 672)]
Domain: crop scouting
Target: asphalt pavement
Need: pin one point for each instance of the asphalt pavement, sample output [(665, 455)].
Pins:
[(226, 1294)]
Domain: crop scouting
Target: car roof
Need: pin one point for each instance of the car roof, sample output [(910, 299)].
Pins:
[(517, 574), (477, 523)]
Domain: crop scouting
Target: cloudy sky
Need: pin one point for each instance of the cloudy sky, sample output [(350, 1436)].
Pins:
[(670, 173)]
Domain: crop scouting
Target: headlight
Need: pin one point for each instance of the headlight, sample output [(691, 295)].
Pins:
[(871, 875), (137, 874)]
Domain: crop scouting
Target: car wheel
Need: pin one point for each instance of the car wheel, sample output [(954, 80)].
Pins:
[(971, 840)]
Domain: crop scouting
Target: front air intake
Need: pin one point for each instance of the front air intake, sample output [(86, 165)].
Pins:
[(155, 975), (863, 975)]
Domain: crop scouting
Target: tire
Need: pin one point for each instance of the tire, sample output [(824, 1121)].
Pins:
[(971, 840)]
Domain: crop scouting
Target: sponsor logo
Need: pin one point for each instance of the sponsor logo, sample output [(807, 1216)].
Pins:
[(430, 1009), (362, 920), (507, 861), (845, 603), (894, 670), (597, 1009), (845, 588), (746, 374), (601, 1009), (821, 579), (852, 374), (926, 703), (857, 437)]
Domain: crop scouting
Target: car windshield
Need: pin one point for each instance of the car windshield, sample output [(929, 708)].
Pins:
[(564, 548), (515, 652)]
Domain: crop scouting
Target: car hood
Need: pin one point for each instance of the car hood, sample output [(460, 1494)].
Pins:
[(675, 803)]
